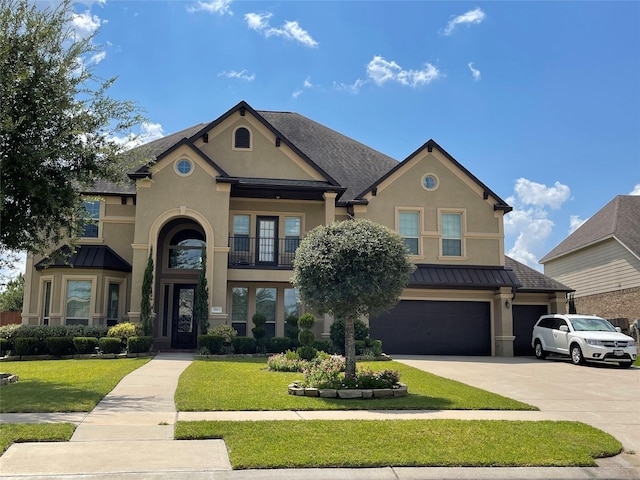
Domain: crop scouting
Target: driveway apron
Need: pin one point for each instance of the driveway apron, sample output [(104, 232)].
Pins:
[(604, 396)]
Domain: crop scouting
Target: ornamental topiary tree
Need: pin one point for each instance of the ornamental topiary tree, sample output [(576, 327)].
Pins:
[(259, 330), (306, 337), (350, 269), (146, 318), (201, 306)]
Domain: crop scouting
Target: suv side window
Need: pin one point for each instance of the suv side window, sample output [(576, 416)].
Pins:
[(559, 322), (547, 323)]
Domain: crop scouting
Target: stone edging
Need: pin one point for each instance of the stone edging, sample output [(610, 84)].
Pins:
[(398, 390), (7, 378)]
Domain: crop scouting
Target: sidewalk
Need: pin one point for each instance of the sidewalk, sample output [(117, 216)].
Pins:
[(129, 435)]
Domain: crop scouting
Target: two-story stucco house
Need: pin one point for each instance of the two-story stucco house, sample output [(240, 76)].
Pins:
[(249, 186)]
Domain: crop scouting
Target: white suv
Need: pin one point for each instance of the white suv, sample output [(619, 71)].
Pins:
[(583, 338)]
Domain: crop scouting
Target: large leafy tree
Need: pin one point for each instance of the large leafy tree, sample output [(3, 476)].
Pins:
[(57, 125), (350, 269), (11, 298)]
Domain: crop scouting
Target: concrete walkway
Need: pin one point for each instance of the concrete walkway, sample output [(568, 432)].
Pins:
[(129, 435)]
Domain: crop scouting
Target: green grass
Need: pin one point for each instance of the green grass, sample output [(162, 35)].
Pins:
[(309, 444), (246, 384), (43, 432), (62, 385)]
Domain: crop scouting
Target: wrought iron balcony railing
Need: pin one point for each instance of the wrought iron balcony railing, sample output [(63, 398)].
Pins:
[(261, 252)]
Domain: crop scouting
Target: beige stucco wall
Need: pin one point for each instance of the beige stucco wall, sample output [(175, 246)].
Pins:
[(262, 160), (483, 235)]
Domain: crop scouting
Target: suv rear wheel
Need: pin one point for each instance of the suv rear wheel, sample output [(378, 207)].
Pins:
[(540, 353), (576, 354)]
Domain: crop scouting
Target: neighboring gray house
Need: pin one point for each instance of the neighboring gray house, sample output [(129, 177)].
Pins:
[(601, 261)]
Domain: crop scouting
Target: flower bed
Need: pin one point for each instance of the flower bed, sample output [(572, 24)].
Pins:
[(397, 390)]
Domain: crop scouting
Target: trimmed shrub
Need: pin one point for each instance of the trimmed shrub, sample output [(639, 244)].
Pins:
[(324, 346), (58, 346), (139, 344), (8, 332), (291, 330), (259, 331), (278, 344), (306, 337), (5, 346), (336, 333), (125, 330), (245, 345), (213, 343), (225, 331), (110, 345), (84, 345), (360, 346), (373, 346), (28, 346)]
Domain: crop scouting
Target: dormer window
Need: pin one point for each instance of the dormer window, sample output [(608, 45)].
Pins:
[(242, 138)]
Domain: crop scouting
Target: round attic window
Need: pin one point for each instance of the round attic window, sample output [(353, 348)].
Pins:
[(430, 182), (184, 167)]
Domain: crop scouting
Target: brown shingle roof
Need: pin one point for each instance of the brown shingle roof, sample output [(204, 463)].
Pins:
[(532, 280), (620, 218)]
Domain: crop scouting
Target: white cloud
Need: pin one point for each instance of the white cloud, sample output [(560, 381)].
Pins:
[(636, 190), (471, 17), (575, 222), (529, 220), (475, 72), (148, 133), (540, 195), (353, 88), (382, 71), (291, 30), (84, 24), (98, 57), (221, 7), (242, 75), (305, 85)]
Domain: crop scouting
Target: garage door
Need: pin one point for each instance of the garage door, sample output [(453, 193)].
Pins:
[(415, 327), (524, 317)]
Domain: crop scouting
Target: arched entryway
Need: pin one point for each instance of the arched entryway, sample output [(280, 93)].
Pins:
[(179, 258)]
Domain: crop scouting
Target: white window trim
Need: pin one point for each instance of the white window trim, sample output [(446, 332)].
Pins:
[(233, 139), (463, 233), (420, 212), (99, 238), (92, 303), (186, 159), (429, 174), (41, 298), (123, 289)]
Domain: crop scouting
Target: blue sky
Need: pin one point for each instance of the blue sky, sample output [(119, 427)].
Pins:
[(539, 100)]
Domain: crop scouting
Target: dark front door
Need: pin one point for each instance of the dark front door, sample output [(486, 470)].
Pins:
[(184, 328), (267, 241)]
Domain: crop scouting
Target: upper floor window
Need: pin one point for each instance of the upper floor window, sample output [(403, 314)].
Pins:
[(90, 219), (185, 249), (292, 234), (451, 234), (241, 225), (409, 227), (242, 138)]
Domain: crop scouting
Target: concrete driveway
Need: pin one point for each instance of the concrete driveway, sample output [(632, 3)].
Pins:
[(604, 396)]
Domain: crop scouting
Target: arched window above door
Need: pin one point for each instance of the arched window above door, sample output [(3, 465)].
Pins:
[(185, 249)]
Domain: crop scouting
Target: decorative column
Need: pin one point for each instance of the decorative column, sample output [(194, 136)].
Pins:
[(503, 323), (329, 207)]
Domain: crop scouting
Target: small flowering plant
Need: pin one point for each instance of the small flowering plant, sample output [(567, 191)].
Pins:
[(324, 372), (288, 361)]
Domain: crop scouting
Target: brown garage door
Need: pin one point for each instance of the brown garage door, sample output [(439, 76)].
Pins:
[(416, 327), (524, 317)]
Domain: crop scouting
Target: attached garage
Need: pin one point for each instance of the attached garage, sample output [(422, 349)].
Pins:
[(524, 317), (422, 327)]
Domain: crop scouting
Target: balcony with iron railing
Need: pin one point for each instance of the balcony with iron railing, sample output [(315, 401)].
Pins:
[(262, 252)]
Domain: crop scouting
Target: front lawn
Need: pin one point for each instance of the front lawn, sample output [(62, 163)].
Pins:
[(62, 385), (43, 432), (246, 384), (348, 443)]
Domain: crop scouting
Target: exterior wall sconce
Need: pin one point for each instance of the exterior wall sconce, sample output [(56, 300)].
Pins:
[(507, 304)]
